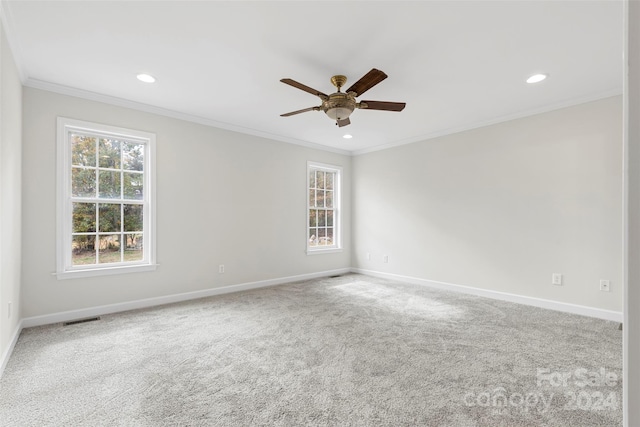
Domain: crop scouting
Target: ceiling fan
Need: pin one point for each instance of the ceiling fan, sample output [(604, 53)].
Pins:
[(339, 106)]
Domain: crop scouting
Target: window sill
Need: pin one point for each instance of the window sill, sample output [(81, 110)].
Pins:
[(323, 251), (124, 269)]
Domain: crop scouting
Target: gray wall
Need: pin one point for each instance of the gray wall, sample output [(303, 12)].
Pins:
[(498, 208), (10, 192), (501, 207), (222, 198)]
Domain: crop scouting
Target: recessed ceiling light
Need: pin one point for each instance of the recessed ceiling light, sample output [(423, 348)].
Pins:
[(146, 78), (536, 78), (347, 136)]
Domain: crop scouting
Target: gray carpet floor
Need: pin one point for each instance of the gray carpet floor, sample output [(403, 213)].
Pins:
[(352, 350)]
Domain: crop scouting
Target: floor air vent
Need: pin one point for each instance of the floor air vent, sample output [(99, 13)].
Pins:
[(75, 322)]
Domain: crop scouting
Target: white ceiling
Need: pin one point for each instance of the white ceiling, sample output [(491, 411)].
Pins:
[(457, 64)]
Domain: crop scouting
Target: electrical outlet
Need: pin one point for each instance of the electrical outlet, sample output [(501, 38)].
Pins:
[(556, 279), (385, 259), (605, 285), (221, 268)]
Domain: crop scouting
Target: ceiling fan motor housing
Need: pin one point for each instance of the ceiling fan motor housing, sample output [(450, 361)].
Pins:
[(339, 106)]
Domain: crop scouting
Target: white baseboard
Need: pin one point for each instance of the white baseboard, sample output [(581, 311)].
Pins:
[(66, 316), (615, 316), (7, 353)]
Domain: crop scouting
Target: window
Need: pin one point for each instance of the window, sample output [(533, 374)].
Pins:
[(323, 208), (105, 200)]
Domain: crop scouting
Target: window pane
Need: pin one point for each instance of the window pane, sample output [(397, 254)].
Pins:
[(109, 153), (109, 184), (329, 236), (83, 182), (109, 249), (312, 198), (133, 183), (84, 218), (313, 237), (320, 198), (109, 219), (133, 156), (83, 250), (83, 150), (133, 218), (328, 199), (322, 236), (312, 179), (329, 180), (319, 179), (133, 247), (330, 218), (322, 218), (313, 219)]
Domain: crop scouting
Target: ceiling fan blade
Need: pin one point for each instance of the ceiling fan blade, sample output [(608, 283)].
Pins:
[(305, 88), (300, 111), (383, 105), (367, 81), (343, 122)]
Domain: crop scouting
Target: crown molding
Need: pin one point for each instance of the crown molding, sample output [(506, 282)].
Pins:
[(485, 123), (121, 102)]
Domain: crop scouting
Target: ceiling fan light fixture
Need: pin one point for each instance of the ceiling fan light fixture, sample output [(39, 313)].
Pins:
[(536, 78), (339, 113)]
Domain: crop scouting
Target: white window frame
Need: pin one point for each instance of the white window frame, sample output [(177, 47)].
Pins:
[(65, 269), (337, 211)]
